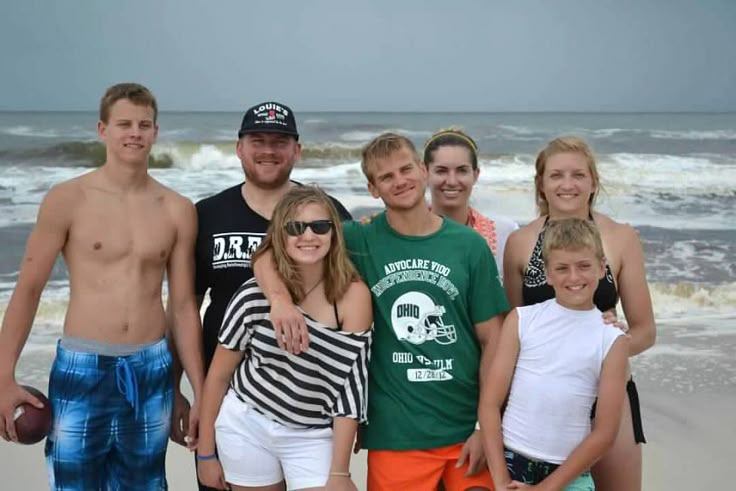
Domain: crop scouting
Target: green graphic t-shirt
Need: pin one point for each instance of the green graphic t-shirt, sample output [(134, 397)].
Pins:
[(428, 293)]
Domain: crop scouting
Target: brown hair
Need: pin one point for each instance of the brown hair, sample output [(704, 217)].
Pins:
[(382, 147), (339, 272), (564, 144), (452, 137), (571, 233), (135, 93)]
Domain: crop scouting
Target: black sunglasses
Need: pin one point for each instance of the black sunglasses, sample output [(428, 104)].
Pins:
[(319, 227)]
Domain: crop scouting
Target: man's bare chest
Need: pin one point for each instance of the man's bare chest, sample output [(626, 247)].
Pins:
[(109, 232)]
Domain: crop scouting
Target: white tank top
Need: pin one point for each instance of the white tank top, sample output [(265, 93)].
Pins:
[(561, 352)]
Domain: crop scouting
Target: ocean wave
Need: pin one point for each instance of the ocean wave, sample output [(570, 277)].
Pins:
[(694, 135), (526, 133), (517, 130), (32, 132), (621, 173), (364, 136), (184, 155), (672, 301), (657, 172), (359, 136), (75, 153), (29, 131), (338, 172), (331, 151), (605, 132), (675, 299), (665, 178)]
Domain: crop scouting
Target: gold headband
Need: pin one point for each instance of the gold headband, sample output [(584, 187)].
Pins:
[(462, 136)]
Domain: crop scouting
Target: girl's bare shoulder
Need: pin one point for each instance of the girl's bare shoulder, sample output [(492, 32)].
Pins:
[(356, 308)]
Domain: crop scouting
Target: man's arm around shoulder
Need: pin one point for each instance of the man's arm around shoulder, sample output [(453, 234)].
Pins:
[(288, 322)]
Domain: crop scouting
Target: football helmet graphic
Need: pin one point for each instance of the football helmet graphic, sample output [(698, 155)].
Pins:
[(416, 319)]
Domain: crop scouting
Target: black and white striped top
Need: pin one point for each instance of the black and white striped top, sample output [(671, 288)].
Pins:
[(300, 391)]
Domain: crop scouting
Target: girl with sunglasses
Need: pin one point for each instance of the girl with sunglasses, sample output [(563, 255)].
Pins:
[(269, 415)]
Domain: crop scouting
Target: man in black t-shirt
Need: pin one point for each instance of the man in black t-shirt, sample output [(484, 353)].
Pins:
[(233, 222)]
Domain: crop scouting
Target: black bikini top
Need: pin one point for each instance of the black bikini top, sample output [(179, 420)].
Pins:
[(536, 290), (337, 318)]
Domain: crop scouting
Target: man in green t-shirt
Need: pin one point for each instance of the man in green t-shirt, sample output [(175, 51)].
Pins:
[(438, 307)]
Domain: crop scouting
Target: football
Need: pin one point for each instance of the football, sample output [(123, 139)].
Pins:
[(31, 423)]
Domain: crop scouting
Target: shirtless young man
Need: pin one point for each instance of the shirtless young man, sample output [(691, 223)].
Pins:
[(119, 231), (438, 307)]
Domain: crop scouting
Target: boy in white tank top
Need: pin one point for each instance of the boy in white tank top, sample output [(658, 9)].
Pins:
[(553, 361)]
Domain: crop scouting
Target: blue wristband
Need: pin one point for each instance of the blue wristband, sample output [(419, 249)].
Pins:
[(206, 457)]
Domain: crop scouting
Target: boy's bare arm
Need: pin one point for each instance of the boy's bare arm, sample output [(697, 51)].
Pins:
[(184, 312), (488, 333), (288, 322), (47, 239), (495, 384)]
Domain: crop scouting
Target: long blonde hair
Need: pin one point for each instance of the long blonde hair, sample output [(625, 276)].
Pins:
[(339, 272), (564, 144)]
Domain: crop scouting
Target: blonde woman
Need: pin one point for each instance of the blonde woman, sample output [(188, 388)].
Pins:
[(566, 186)]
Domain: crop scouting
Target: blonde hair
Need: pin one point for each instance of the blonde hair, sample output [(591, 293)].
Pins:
[(339, 272), (564, 144), (571, 233), (383, 146), (452, 137)]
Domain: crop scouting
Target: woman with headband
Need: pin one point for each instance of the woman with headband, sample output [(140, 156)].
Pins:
[(566, 185), (451, 157)]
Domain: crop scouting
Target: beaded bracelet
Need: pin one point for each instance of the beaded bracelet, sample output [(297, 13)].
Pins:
[(207, 457)]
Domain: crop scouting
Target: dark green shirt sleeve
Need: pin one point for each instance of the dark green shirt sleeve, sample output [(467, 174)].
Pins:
[(487, 297)]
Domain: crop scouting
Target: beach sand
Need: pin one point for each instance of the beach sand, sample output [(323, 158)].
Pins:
[(688, 407), (690, 447)]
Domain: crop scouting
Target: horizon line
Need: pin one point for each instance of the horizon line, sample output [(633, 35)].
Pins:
[(346, 111)]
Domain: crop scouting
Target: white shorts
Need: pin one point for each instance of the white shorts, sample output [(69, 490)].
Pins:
[(255, 451)]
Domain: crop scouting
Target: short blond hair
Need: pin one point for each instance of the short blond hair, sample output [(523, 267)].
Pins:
[(383, 146), (564, 144), (571, 233)]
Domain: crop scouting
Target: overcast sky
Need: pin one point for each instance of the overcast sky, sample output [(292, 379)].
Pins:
[(390, 55)]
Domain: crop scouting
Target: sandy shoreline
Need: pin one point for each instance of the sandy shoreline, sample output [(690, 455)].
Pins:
[(690, 446), (687, 389)]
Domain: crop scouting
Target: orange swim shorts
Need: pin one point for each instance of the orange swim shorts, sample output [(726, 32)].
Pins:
[(422, 470)]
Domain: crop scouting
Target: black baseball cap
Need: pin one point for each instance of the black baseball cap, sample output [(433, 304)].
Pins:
[(269, 117)]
